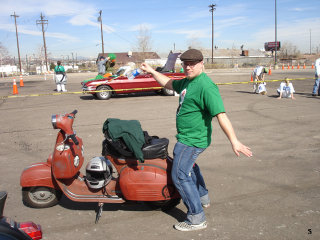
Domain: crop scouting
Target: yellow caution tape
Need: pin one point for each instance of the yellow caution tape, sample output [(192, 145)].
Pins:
[(136, 89)]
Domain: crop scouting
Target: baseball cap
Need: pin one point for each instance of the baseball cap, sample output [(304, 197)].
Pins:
[(112, 56), (191, 55)]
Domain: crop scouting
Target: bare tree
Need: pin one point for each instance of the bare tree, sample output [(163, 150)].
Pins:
[(194, 43), (4, 55), (144, 41), (288, 50)]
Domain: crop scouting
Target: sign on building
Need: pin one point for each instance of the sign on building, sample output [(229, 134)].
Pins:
[(271, 46)]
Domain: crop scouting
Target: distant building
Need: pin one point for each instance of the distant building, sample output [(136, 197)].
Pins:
[(137, 57), (7, 70)]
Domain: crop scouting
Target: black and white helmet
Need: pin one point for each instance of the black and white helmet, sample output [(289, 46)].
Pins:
[(98, 172)]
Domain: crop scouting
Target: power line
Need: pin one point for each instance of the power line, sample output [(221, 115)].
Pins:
[(43, 22)]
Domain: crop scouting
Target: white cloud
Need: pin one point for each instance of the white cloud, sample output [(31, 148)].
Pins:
[(297, 33), (142, 26), (300, 9), (25, 30), (80, 14), (189, 33), (222, 24)]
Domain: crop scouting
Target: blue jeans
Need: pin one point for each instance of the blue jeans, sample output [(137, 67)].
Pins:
[(316, 88), (188, 180)]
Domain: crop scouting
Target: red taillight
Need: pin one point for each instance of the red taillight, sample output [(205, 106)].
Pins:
[(30, 228)]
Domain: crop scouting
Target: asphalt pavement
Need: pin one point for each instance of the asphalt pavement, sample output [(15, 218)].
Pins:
[(273, 195)]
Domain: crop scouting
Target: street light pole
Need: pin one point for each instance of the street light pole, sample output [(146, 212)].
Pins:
[(212, 8), (275, 27), (310, 41)]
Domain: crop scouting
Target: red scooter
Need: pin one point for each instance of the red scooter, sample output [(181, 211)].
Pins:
[(149, 181)]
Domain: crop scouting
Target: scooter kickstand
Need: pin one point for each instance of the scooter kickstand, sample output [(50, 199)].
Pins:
[(99, 212)]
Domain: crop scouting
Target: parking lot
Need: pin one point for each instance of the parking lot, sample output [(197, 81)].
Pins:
[(273, 195)]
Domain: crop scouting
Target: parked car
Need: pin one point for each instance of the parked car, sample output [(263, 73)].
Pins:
[(12, 230), (122, 85), (104, 88)]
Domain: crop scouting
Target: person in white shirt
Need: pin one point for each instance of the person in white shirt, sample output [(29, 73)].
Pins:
[(316, 88), (286, 89), (262, 89), (258, 75)]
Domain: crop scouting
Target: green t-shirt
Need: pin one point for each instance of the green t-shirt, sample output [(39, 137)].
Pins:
[(199, 102), (59, 69)]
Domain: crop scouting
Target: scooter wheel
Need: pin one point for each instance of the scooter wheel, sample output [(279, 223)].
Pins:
[(40, 197)]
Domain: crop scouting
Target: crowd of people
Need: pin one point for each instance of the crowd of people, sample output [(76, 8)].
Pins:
[(286, 89), (199, 103)]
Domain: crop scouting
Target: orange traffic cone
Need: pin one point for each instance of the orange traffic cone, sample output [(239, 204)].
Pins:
[(21, 81), (269, 70), (292, 66), (15, 88), (312, 66), (282, 66), (288, 66), (298, 66), (251, 78), (304, 66)]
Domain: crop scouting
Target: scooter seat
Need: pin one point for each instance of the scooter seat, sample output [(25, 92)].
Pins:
[(155, 148)]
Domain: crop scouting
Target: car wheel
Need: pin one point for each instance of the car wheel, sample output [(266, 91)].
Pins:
[(40, 197), (167, 92), (104, 95)]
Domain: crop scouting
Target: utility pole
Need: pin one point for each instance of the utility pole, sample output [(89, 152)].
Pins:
[(42, 21), (100, 20), (212, 8), (15, 22)]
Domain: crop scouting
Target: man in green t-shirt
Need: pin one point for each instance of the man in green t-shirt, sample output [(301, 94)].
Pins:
[(199, 102), (60, 77)]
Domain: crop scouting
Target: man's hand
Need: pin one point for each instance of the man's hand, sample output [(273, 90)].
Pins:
[(238, 148), (146, 68), (163, 80)]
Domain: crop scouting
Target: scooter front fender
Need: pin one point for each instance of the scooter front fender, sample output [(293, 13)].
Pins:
[(38, 174)]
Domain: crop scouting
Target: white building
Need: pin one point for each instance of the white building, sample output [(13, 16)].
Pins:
[(7, 70)]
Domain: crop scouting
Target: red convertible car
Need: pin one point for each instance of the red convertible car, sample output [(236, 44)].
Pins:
[(104, 88)]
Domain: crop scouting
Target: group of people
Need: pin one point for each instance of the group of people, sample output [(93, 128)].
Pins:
[(199, 103), (285, 89), (103, 64)]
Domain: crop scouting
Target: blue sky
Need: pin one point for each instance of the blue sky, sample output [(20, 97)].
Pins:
[(73, 26)]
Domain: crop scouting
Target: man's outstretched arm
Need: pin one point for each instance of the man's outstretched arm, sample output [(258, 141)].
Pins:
[(163, 80), (237, 146)]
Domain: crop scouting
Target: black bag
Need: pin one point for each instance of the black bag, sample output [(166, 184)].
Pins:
[(154, 147)]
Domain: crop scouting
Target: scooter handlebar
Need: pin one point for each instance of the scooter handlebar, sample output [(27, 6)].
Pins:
[(74, 112), (74, 139)]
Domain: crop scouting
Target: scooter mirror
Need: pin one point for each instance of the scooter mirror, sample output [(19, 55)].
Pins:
[(3, 197), (54, 121)]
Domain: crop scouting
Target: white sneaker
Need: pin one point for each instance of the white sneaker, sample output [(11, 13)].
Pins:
[(206, 205), (183, 226)]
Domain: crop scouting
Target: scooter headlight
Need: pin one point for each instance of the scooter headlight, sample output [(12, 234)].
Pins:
[(76, 161), (54, 121)]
